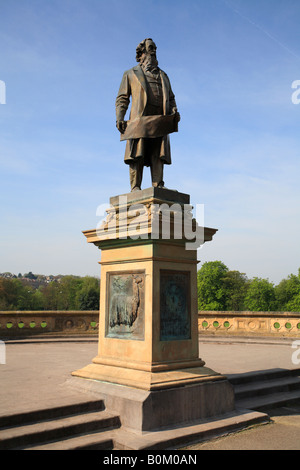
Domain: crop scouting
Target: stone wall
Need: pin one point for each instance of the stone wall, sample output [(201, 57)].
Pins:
[(280, 324), (51, 323), (32, 323)]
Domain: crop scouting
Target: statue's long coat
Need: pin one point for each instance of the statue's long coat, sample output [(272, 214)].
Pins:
[(134, 84)]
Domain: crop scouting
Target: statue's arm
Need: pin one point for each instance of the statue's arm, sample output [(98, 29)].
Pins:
[(173, 105), (122, 102), (172, 101)]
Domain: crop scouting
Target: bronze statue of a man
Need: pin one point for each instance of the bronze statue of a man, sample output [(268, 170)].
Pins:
[(153, 116)]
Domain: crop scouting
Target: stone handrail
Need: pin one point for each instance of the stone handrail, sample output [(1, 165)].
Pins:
[(86, 322), (48, 322), (280, 324)]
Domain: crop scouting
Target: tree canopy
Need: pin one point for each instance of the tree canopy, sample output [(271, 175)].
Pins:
[(211, 288), (68, 293), (222, 289), (260, 296)]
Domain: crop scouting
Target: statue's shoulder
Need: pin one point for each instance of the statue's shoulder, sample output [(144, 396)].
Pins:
[(164, 74), (134, 69)]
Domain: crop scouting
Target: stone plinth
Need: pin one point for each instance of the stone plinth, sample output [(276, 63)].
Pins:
[(148, 327), (143, 410)]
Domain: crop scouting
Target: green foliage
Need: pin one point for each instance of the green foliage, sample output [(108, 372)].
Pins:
[(260, 296), (89, 299), (236, 285), (16, 295), (287, 294), (211, 288), (30, 275), (10, 290), (69, 293), (221, 289)]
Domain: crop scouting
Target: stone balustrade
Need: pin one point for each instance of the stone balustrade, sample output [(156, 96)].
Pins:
[(86, 322), (47, 322), (281, 324)]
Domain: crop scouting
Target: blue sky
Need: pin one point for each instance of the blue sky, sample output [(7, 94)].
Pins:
[(231, 64)]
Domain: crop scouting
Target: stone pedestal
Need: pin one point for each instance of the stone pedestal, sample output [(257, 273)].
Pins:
[(148, 327)]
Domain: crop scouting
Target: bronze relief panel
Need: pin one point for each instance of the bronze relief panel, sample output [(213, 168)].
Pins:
[(125, 305), (175, 322)]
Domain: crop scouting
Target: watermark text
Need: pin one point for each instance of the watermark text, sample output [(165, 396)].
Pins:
[(2, 92), (155, 221), (296, 94), (2, 353), (296, 354)]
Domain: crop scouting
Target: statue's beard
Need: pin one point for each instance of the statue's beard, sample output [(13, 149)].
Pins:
[(150, 62)]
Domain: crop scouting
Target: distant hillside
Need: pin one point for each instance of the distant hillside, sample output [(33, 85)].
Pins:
[(48, 292), (35, 280)]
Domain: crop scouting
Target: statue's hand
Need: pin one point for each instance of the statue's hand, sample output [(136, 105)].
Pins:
[(177, 115), (121, 125)]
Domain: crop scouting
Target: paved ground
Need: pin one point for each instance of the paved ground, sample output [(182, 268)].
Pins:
[(36, 372), (282, 434)]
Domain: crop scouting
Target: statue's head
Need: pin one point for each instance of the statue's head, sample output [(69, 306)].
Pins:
[(146, 49)]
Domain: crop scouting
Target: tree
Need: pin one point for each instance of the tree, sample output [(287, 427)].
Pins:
[(89, 299), (67, 292), (25, 299), (88, 296), (72, 293), (294, 304), (9, 292), (287, 293), (38, 301), (260, 296), (236, 285), (211, 288), (50, 294), (30, 275), (16, 295)]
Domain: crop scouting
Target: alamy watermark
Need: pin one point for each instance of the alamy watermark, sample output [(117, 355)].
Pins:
[(296, 354), (2, 352), (296, 94), (155, 221), (2, 92)]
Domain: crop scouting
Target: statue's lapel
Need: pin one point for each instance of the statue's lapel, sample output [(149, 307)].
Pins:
[(165, 90), (141, 77)]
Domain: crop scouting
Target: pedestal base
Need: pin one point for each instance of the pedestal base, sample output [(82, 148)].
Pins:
[(148, 380), (142, 410)]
